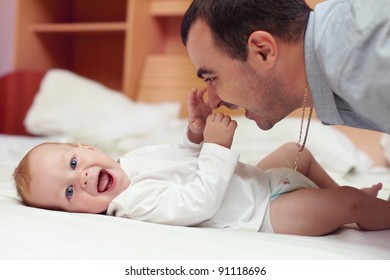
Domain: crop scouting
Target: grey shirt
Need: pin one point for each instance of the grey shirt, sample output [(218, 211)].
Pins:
[(347, 59)]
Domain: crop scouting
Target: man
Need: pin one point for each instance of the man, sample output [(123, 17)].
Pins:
[(272, 57)]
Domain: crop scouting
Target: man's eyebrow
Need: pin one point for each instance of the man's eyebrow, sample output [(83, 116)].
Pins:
[(202, 72)]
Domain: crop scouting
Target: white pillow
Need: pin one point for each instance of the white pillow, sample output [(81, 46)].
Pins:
[(71, 105), (385, 144)]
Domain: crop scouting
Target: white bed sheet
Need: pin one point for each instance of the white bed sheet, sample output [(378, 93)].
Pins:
[(29, 233)]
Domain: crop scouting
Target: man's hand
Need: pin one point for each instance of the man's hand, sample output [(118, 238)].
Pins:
[(198, 111)]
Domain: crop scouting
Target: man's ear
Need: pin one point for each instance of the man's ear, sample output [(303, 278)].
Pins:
[(263, 48)]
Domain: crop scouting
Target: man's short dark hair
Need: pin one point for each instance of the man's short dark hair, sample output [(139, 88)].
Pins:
[(232, 21)]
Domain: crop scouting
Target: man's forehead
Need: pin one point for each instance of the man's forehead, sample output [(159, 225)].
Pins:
[(199, 30), (201, 49)]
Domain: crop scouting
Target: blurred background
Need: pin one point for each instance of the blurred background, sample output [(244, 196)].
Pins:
[(7, 27)]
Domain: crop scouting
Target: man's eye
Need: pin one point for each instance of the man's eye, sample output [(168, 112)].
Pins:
[(208, 80), (73, 163), (69, 192)]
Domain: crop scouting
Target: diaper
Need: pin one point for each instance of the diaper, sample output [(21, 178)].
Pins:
[(281, 181)]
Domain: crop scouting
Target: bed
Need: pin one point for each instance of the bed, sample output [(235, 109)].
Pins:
[(64, 98)]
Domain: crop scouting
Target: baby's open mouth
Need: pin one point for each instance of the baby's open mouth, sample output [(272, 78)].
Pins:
[(104, 181)]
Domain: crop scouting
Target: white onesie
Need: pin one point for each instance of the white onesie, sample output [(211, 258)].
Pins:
[(201, 185)]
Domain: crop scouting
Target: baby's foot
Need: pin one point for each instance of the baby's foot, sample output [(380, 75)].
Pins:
[(373, 190)]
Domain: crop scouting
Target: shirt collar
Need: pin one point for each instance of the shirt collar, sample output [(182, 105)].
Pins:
[(322, 94)]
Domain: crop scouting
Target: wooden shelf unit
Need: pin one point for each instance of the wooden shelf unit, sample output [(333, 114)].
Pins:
[(156, 32), (104, 40), (115, 42)]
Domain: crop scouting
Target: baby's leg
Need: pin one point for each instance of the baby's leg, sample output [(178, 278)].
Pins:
[(315, 212), (307, 165)]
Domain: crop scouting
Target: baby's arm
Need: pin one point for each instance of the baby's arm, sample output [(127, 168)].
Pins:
[(198, 111), (220, 130)]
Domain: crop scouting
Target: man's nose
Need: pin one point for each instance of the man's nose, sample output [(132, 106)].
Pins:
[(214, 100)]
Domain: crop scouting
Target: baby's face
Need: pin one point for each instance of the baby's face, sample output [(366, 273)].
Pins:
[(74, 178)]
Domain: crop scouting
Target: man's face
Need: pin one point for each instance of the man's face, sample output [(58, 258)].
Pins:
[(74, 178), (235, 83)]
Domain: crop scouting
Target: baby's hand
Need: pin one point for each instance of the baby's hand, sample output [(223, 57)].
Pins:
[(220, 130), (198, 111)]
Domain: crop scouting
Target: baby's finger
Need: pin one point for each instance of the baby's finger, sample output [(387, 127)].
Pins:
[(219, 117), (210, 118)]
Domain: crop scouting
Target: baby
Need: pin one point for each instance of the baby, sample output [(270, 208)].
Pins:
[(198, 182)]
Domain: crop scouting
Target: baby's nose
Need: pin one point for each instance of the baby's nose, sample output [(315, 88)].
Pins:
[(84, 179)]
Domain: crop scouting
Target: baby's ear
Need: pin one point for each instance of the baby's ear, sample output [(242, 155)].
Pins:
[(86, 146)]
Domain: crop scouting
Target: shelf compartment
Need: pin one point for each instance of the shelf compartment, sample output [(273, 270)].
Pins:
[(72, 11), (84, 54), (167, 78)]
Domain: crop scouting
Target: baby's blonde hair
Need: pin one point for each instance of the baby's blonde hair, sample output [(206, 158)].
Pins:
[(22, 178)]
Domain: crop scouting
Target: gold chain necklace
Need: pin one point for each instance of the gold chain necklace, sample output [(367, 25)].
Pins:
[(302, 146)]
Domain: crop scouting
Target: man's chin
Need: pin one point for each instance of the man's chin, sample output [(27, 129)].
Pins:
[(263, 127), (261, 122)]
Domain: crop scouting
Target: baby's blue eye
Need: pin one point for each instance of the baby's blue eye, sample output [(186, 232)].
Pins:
[(69, 191), (73, 163)]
